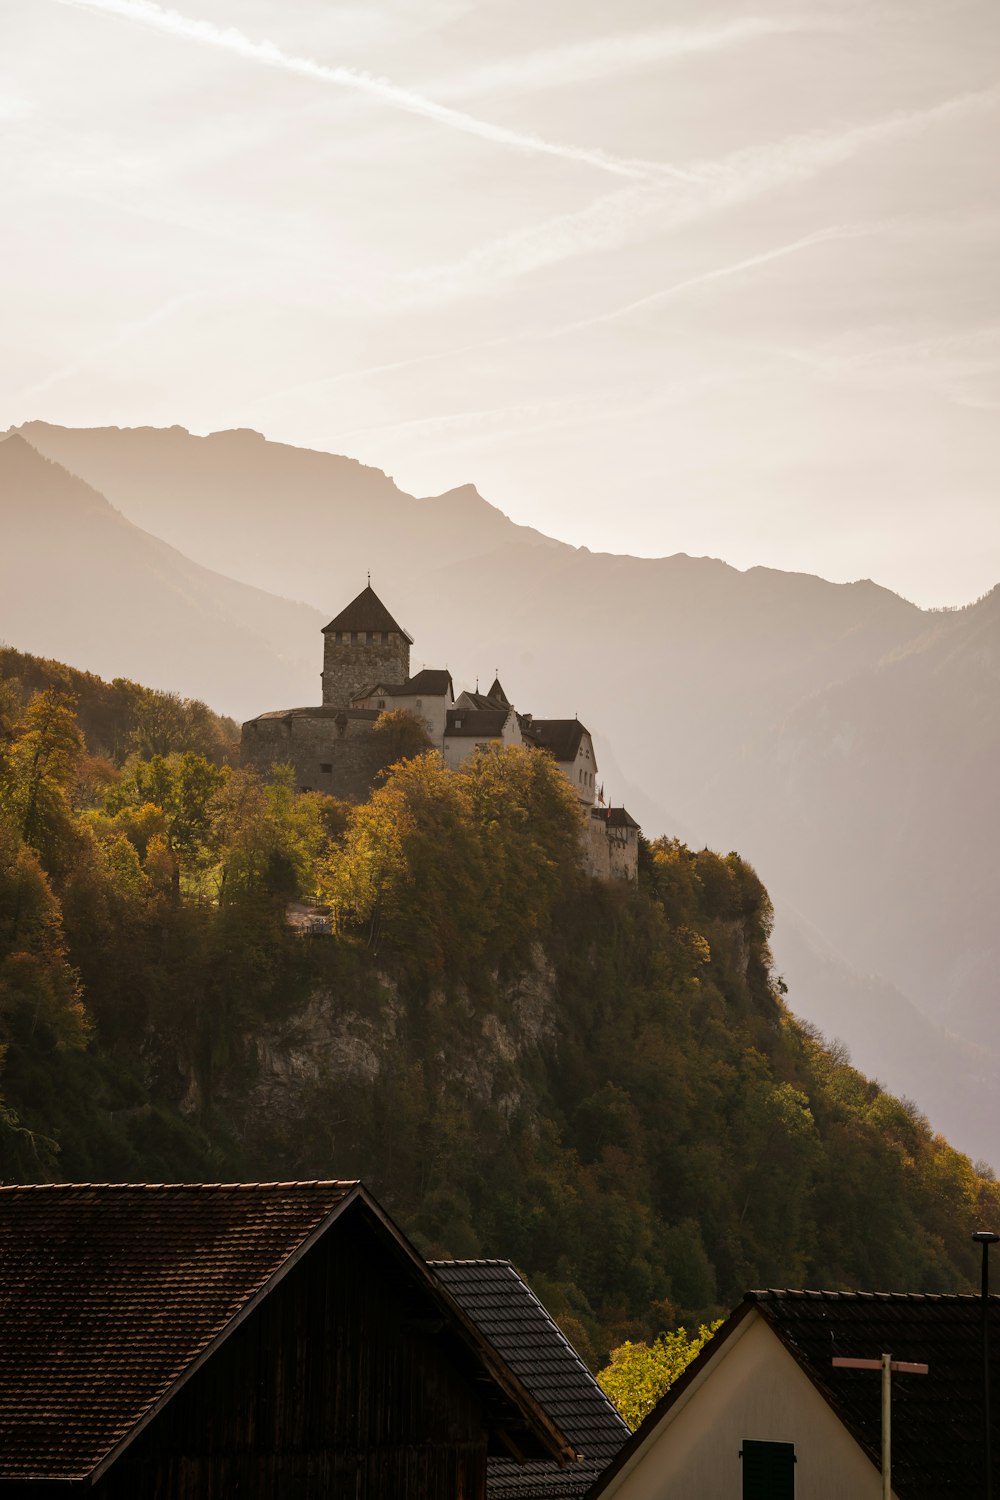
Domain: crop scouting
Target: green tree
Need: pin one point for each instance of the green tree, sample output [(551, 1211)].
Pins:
[(39, 771), (639, 1375)]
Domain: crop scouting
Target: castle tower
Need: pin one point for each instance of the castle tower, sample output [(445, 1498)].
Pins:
[(362, 646)]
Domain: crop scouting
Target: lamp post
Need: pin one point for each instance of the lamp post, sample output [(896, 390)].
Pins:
[(986, 1238)]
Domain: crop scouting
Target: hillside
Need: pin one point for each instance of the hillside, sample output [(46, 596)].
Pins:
[(837, 734), (599, 1081)]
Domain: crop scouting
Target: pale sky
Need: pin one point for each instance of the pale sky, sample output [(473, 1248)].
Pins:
[(719, 278)]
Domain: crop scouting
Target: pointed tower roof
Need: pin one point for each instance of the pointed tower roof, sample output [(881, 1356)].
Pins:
[(497, 694), (366, 612)]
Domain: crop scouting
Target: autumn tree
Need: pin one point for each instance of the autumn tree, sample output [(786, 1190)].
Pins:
[(38, 773), (639, 1375)]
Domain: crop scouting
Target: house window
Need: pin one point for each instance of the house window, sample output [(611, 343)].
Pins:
[(768, 1470), (326, 765), (376, 637), (420, 703), (458, 723), (381, 703)]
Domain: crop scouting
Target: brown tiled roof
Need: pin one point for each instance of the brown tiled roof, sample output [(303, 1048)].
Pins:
[(559, 736), (476, 723), (111, 1295), (366, 612), (108, 1294), (937, 1418), (509, 1314)]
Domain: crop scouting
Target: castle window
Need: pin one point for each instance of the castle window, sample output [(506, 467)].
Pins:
[(381, 703), (326, 765), (393, 637), (362, 637), (345, 637), (376, 637), (420, 702)]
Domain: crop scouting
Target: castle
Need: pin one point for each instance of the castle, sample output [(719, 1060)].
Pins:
[(366, 671)]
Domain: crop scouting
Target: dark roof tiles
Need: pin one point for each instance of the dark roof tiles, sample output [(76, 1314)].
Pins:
[(476, 723), (511, 1317), (366, 612), (562, 737)]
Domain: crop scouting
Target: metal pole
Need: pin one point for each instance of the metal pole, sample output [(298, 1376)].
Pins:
[(886, 1427), (986, 1238), (985, 1301)]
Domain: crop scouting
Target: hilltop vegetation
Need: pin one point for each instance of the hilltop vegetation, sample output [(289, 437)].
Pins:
[(601, 1082)]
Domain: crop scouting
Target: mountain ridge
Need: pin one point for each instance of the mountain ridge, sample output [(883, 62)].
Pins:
[(769, 711)]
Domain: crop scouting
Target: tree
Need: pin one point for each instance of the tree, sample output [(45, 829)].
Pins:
[(639, 1375), (40, 1000), (411, 869), (39, 771)]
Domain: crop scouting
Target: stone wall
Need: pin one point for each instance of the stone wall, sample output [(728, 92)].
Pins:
[(330, 750), (609, 853), (356, 660)]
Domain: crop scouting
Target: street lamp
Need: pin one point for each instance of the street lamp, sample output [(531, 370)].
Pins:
[(986, 1238)]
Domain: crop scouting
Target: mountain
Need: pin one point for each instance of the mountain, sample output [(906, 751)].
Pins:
[(838, 736), (80, 582)]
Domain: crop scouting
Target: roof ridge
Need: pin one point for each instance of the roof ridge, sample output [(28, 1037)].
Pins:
[(43, 1187)]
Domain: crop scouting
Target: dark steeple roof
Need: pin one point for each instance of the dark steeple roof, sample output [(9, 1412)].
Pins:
[(497, 694), (510, 1316), (366, 612)]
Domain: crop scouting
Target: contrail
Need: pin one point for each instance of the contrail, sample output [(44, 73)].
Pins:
[(559, 330), (125, 335), (821, 236), (229, 39), (607, 56)]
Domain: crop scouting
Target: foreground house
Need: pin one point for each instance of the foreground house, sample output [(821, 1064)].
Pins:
[(512, 1319), (763, 1413), (255, 1340)]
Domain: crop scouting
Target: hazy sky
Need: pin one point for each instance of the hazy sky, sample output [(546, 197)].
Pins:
[(708, 277)]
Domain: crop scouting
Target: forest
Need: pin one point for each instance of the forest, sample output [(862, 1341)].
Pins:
[(604, 1083)]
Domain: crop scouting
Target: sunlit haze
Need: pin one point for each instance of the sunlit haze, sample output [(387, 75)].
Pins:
[(713, 278)]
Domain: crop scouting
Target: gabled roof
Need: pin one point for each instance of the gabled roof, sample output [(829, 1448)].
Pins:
[(561, 737), (497, 694), (430, 682), (615, 817), (476, 723), (366, 612), (113, 1295), (509, 1314), (937, 1418)]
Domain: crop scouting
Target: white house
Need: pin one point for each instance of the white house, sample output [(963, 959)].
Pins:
[(763, 1413)]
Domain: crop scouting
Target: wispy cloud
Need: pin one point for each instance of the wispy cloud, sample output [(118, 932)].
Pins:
[(561, 330), (616, 219), (606, 56), (267, 54), (125, 335)]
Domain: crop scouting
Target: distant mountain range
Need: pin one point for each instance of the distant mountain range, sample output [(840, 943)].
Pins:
[(841, 738)]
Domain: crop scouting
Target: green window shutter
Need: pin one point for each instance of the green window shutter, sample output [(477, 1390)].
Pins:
[(768, 1470)]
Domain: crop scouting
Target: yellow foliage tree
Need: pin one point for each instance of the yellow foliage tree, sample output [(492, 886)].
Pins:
[(640, 1374)]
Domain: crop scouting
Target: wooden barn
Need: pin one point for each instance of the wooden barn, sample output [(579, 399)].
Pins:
[(256, 1340)]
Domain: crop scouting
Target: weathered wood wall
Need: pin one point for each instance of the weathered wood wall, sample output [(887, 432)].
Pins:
[(334, 1388)]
